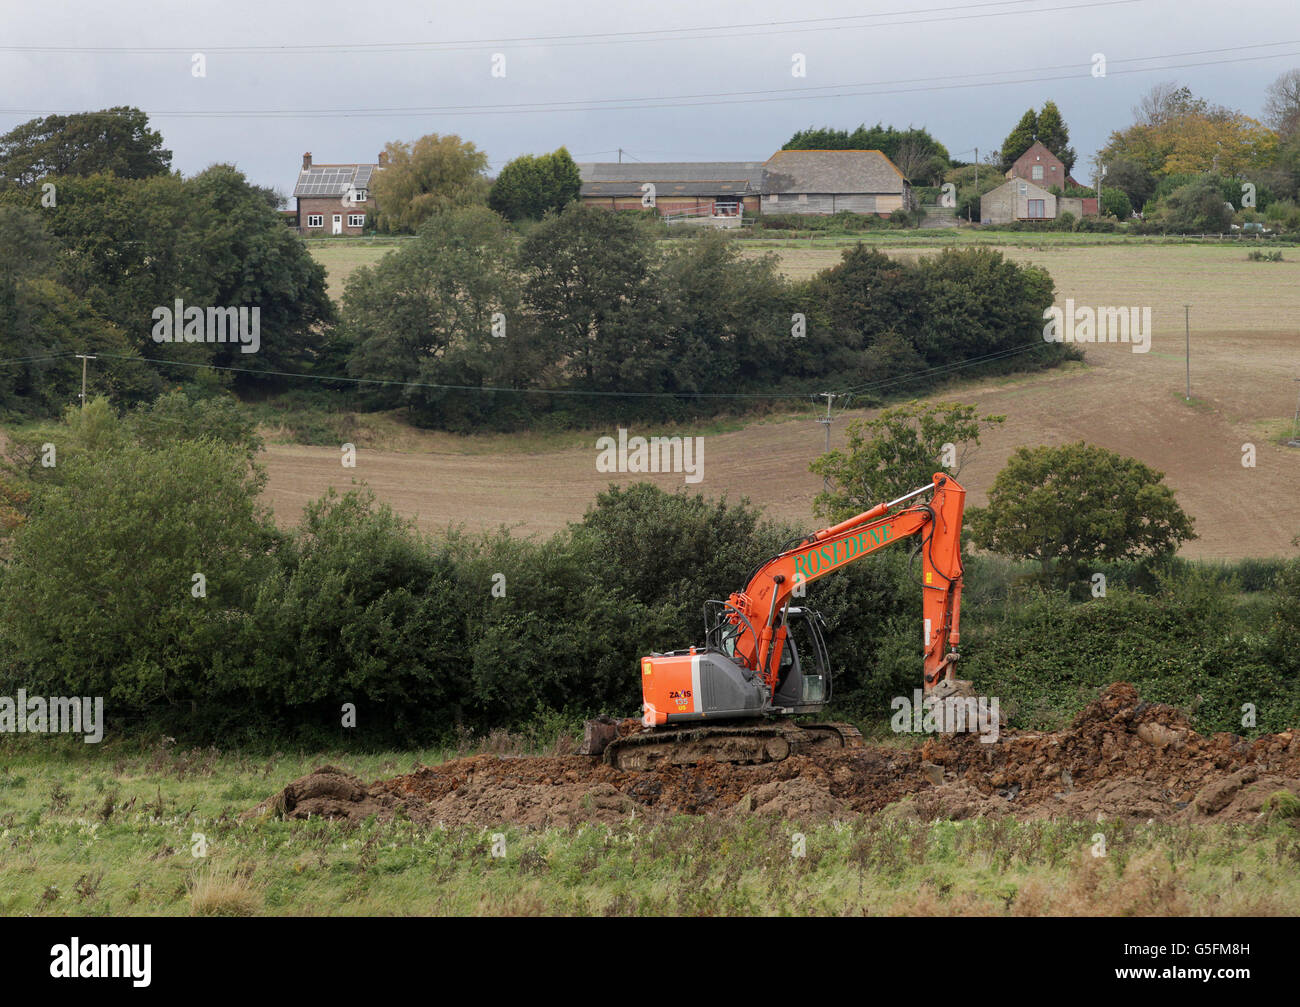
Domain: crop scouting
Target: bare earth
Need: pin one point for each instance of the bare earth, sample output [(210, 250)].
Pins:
[(1245, 351)]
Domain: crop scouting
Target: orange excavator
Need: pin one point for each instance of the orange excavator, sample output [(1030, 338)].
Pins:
[(765, 660)]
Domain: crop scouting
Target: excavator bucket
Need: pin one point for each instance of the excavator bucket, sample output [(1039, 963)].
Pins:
[(597, 734)]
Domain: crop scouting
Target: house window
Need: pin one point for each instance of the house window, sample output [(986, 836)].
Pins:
[(315, 220), (1038, 208), (359, 196), (356, 220), (1037, 172)]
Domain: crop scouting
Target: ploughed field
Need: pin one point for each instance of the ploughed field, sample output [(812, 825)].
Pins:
[(1244, 348)]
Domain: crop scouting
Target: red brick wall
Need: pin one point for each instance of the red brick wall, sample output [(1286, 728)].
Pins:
[(1023, 168), (307, 205)]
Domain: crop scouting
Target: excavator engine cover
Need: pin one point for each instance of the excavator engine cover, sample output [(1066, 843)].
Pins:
[(698, 686)]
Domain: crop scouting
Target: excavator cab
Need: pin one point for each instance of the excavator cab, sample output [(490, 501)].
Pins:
[(803, 682)]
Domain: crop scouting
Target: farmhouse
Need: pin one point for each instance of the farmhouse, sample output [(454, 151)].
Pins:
[(705, 189), (334, 199), (1040, 166), (831, 181)]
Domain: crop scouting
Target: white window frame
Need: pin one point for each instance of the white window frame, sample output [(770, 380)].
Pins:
[(315, 220), (1036, 172), (359, 196), (356, 220)]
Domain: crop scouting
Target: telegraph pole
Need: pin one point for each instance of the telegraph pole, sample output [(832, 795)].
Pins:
[(826, 422), (83, 357)]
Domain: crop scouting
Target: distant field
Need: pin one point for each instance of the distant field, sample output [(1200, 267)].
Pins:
[(1245, 341), (341, 258)]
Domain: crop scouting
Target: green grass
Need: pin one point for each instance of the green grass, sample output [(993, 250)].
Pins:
[(110, 830)]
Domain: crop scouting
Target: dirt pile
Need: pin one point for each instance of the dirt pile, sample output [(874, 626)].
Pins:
[(1120, 758), (327, 792)]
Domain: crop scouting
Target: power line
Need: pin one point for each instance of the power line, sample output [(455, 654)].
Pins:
[(704, 99), (393, 382), (833, 23)]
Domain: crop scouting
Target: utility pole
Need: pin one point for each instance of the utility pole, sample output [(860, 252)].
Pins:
[(977, 184), (620, 155), (1295, 423), (1187, 344), (83, 358), (826, 422)]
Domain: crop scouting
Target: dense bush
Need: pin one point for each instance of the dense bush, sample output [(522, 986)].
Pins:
[(425, 637)]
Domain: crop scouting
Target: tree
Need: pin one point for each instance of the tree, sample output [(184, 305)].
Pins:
[(529, 186), (214, 241), (1019, 139), (1116, 203), (433, 174), (1075, 504), (1195, 208), (588, 284), (114, 140), (1131, 177), (42, 323), (1176, 132), (1055, 135), (102, 596), (425, 315), (896, 452), (235, 251), (1282, 103)]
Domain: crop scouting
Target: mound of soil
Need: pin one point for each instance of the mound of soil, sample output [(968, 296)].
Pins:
[(1120, 758)]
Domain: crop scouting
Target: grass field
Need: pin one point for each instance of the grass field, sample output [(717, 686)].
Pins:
[(1244, 343), (116, 830)]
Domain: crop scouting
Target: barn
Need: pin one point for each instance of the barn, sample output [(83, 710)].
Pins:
[(833, 181), (721, 189)]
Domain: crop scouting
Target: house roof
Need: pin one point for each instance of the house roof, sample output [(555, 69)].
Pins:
[(671, 178), (1040, 152), (333, 179), (831, 171)]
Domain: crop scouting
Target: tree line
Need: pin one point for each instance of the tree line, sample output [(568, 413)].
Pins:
[(195, 615)]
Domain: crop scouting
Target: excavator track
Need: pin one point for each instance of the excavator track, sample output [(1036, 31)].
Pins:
[(735, 744)]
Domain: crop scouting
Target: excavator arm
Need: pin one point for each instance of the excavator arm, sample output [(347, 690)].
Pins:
[(760, 609)]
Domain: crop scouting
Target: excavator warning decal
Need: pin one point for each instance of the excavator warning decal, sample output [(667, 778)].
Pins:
[(645, 667)]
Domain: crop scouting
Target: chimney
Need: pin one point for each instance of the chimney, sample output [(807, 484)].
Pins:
[(383, 158), (306, 160)]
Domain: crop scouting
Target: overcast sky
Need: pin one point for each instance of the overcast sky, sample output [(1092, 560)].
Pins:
[(889, 61)]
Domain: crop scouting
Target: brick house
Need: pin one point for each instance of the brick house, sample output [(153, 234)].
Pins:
[(334, 199), (832, 181), (1040, 166)]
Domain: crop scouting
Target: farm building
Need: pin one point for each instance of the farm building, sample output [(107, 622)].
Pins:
[(1017, 199), (831, 181), (334, 199), (705, 189)]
